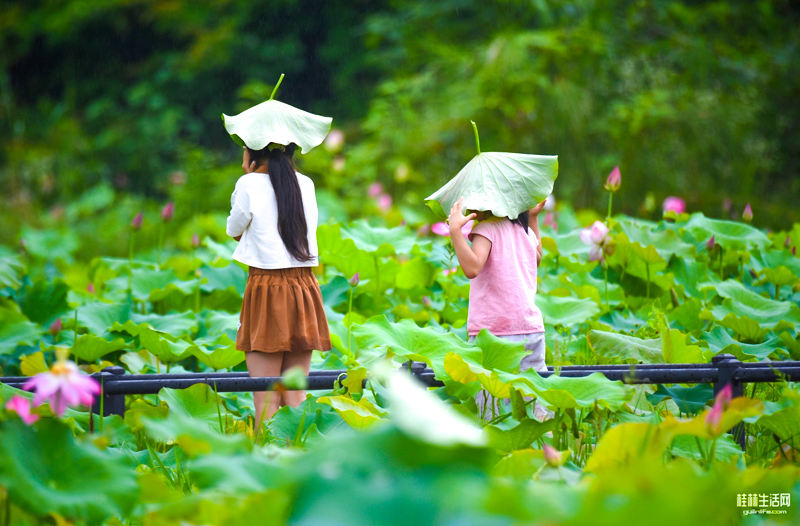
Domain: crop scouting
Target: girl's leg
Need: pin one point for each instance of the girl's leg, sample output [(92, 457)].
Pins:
[(260, 364), (535, 360), (293, 359)]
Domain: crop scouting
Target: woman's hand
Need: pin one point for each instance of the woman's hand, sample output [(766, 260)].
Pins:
[(456, 220), (536, 210)]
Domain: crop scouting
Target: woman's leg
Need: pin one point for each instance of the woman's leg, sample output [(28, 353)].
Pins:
[(293, 359), (260, 364)]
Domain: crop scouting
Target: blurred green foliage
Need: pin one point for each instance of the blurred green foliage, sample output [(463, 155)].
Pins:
[(695, 99)]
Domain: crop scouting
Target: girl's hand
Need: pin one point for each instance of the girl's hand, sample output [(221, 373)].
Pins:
[(536, 210), (456, 220)]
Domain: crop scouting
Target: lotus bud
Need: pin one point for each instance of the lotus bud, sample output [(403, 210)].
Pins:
[(375, 189), (168, 212), (674, 204), (354, 280), (55, 327), (724, 396), (195, 241), (747, 215), (384, 202), (613, 181), (136, 224), (753, 274), (426, 301), (90, 288), (551, 455), (710, 244), (674, 296), (714, 417)]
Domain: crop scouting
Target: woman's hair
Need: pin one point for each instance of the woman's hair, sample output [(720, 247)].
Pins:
[(292, 224), (522, 220)]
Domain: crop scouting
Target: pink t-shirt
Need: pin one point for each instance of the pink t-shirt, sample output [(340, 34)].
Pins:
[(502, 297)]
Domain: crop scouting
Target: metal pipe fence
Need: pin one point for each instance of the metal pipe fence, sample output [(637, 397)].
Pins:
[(724, 369)]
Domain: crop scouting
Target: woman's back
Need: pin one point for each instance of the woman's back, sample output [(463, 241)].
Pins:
[(254, 215), (502, 296)]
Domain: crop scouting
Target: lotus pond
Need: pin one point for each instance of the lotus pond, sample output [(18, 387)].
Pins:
[(392, 452)]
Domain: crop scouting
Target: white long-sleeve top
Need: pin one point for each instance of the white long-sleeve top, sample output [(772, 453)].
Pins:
[(254, 216)]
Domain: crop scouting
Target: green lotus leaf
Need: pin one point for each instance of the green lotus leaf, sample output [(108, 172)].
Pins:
[(153, 285), (587, 286), (566, 311), (725, 448), (15, 329), (564, 392), (168, 348), (785, 423), (719, 341), (666, 242), (195, 436), (730, 235), (285, 423), (273, 121), (224, 356), (43, 302), (380, 241), (742, 301), (624, 347), (414, 273), (358, 415), (505, 184), (687, 315), (222, 278), (688, 274), (45, 470), (175, 323), (198, 401), (51, 244), (749, 330), (690, 400), (91, 348), (519, 437), (343, 254), (99, 317), (11, 268)]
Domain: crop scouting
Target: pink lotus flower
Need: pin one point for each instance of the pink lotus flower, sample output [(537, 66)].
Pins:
[(168, 212), (64, 385), (90, 288), (354, 280), (334, 141), (55, 327), (22, 407), (714, 417), (195, 241), (441, 229), (674, 204), (136, 224), (597, 237), (747, 215), (710, 244), (446, 272), (551, 455), (375, 189), (550, 220), (613, 181), (384, 202), (426, 301), (724, 396)]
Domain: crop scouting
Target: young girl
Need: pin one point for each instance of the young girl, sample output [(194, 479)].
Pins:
[(502, 264), (274, 218)]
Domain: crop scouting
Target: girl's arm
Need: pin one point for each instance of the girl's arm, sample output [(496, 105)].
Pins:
[(472, 259), (533, 223)]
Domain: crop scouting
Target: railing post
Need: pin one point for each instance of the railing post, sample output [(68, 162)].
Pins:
[(113, 404), (727, 365)]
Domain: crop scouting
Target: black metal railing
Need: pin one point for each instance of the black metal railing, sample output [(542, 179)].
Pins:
[(724, 369)]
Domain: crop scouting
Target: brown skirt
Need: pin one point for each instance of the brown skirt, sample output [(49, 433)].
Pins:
[(282, 311)]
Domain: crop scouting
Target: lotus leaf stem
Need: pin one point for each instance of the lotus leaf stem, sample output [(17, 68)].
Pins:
[(276, 87), (477, 138)]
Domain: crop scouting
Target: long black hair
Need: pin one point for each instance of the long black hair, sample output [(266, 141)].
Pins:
[(522, 220), (292, 224)]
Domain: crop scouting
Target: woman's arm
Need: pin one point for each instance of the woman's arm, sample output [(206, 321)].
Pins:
[(472, 259), (240, 217)]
